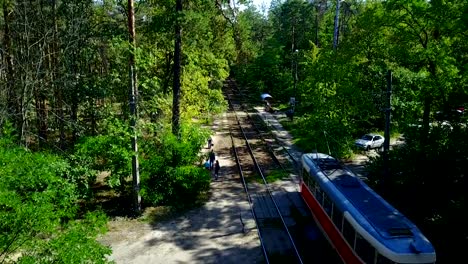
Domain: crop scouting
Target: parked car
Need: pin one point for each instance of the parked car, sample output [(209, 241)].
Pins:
[(454, 115), (370, 141)]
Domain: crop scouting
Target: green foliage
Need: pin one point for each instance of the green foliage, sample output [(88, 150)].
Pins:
[(82, 174), (199, 98), (107, 152), (37, 211), (7, 133), (169, 175), (324, 134), (275, 175), (75, 244), (178, 187)]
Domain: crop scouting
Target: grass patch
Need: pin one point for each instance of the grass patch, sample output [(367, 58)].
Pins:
[(271, 176), (276, 175)]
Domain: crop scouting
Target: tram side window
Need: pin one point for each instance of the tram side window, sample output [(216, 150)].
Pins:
[(317, 191), (337, 217), (348, 232), (327, 204), (312, 185), (319, 195), (364, 250), (305, 177)]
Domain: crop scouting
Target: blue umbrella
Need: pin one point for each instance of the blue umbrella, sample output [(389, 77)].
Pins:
[(266, 96)]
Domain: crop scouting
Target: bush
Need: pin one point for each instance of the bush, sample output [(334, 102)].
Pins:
[(169, 175), (38, 208)]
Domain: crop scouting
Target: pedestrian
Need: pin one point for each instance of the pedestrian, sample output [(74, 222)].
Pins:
[(210, 141), (216, 167), (267, 106), (212, 159)]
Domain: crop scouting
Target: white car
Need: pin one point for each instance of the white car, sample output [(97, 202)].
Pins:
[(370, 141)]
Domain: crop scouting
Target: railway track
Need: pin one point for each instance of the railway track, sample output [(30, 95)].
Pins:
[(277, 243), (286, 229)]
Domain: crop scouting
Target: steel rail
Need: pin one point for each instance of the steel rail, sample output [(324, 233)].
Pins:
[(248, 196)]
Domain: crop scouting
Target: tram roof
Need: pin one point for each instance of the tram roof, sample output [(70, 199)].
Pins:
[(388, 221)]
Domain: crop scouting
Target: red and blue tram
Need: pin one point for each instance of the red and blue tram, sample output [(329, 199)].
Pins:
[(360, 224)]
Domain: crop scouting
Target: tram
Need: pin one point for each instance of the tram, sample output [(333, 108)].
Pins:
[(360, 224)]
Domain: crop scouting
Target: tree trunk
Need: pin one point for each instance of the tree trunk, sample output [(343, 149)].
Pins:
[(336, 26), (167, 74), (12, 96), (74, 97), (177, 68), (41, 112)]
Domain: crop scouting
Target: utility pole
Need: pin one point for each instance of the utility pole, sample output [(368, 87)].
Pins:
[(292, 100), (133, 109), (335, 32), (388, 110), (295, 77), (292, 50)]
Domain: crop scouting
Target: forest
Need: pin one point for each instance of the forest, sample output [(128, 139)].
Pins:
[(117, 94)]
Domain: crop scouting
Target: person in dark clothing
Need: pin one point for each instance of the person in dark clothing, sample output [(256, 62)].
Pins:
[(210, 141), (216, 167), (212, 159)]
